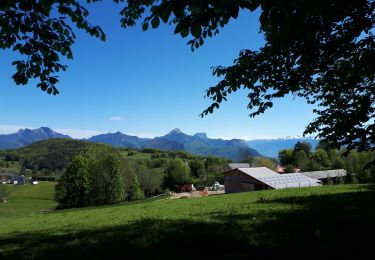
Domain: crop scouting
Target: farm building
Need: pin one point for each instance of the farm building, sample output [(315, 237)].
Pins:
[(262, 178), (11, 178), (325, 175)]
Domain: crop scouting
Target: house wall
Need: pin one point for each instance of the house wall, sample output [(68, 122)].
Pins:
[(237, 181)]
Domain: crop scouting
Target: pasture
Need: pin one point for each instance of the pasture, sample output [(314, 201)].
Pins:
[(305, 223)]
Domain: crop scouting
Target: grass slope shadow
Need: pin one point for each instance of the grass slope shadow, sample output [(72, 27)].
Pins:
[(334, 225)]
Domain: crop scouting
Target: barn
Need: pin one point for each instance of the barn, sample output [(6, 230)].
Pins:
[(262, 178)]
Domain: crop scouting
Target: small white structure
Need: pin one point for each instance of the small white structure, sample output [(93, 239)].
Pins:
[(34, 182)]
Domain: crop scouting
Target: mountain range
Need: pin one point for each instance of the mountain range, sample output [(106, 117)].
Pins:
[(24, 137), (235, 149)]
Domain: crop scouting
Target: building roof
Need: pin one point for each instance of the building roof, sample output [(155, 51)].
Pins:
[(279, 181), (233, 166), (259, 172), (325, 174), (289, 180)]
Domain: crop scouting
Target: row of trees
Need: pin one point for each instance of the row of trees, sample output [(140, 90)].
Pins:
[(156, 175), (303, 157), (110, 178)]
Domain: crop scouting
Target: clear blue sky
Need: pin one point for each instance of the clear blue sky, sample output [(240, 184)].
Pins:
[(146, 83)]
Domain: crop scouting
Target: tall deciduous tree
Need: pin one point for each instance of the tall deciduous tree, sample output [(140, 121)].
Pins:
[(177, 172), (73, 190), (131, 183)]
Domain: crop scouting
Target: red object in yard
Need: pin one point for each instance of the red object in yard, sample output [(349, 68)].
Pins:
[(184, 188), (187, 188)]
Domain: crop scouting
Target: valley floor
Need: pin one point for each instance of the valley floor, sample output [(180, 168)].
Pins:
[(328, 221)]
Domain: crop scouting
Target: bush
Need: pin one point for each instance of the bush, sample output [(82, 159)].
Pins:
[(4, 192), (150, 180), (131, 184), (289, 169), (177, 172)]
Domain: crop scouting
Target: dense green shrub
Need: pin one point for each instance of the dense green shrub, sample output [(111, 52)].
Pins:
[(177, 172), (73, 189), (131, 184), (4, 192), (89, 182)]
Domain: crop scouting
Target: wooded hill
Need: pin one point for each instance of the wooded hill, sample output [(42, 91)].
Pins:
[(52, 157)]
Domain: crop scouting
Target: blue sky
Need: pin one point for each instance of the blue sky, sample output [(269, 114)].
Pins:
[(146, 84)]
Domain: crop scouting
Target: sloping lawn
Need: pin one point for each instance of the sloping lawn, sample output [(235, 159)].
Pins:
[(329, 221), (28, 200)]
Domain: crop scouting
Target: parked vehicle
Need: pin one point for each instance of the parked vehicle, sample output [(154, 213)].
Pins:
[(216, 187)]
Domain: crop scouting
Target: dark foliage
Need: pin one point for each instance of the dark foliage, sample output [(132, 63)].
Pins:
[(90, 182), (38, 30), (319, 50), (357, 164)]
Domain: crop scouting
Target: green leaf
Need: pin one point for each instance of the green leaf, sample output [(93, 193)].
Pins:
[(155, 22), (144, 26), (165, 14), (196, 30), (184, 32)]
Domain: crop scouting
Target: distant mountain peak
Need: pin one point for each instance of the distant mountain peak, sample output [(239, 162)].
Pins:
[(175, 131), (201, 135), (28, 136), (45, 130), (40, 131)]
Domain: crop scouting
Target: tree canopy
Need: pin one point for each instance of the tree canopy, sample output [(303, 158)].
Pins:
[(38, 30), (320, 50)]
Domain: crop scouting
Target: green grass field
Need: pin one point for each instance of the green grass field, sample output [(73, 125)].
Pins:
[(305, 223), (28, 200)]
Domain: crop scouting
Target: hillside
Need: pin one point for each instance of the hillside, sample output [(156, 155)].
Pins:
[(328, 221), (55, 154)]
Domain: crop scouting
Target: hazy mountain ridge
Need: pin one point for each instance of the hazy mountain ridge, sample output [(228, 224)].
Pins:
[(119, 139), (24, 137), (234, 149), (271, 147)]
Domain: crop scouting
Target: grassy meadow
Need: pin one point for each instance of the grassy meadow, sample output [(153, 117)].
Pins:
[(305, 223)]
